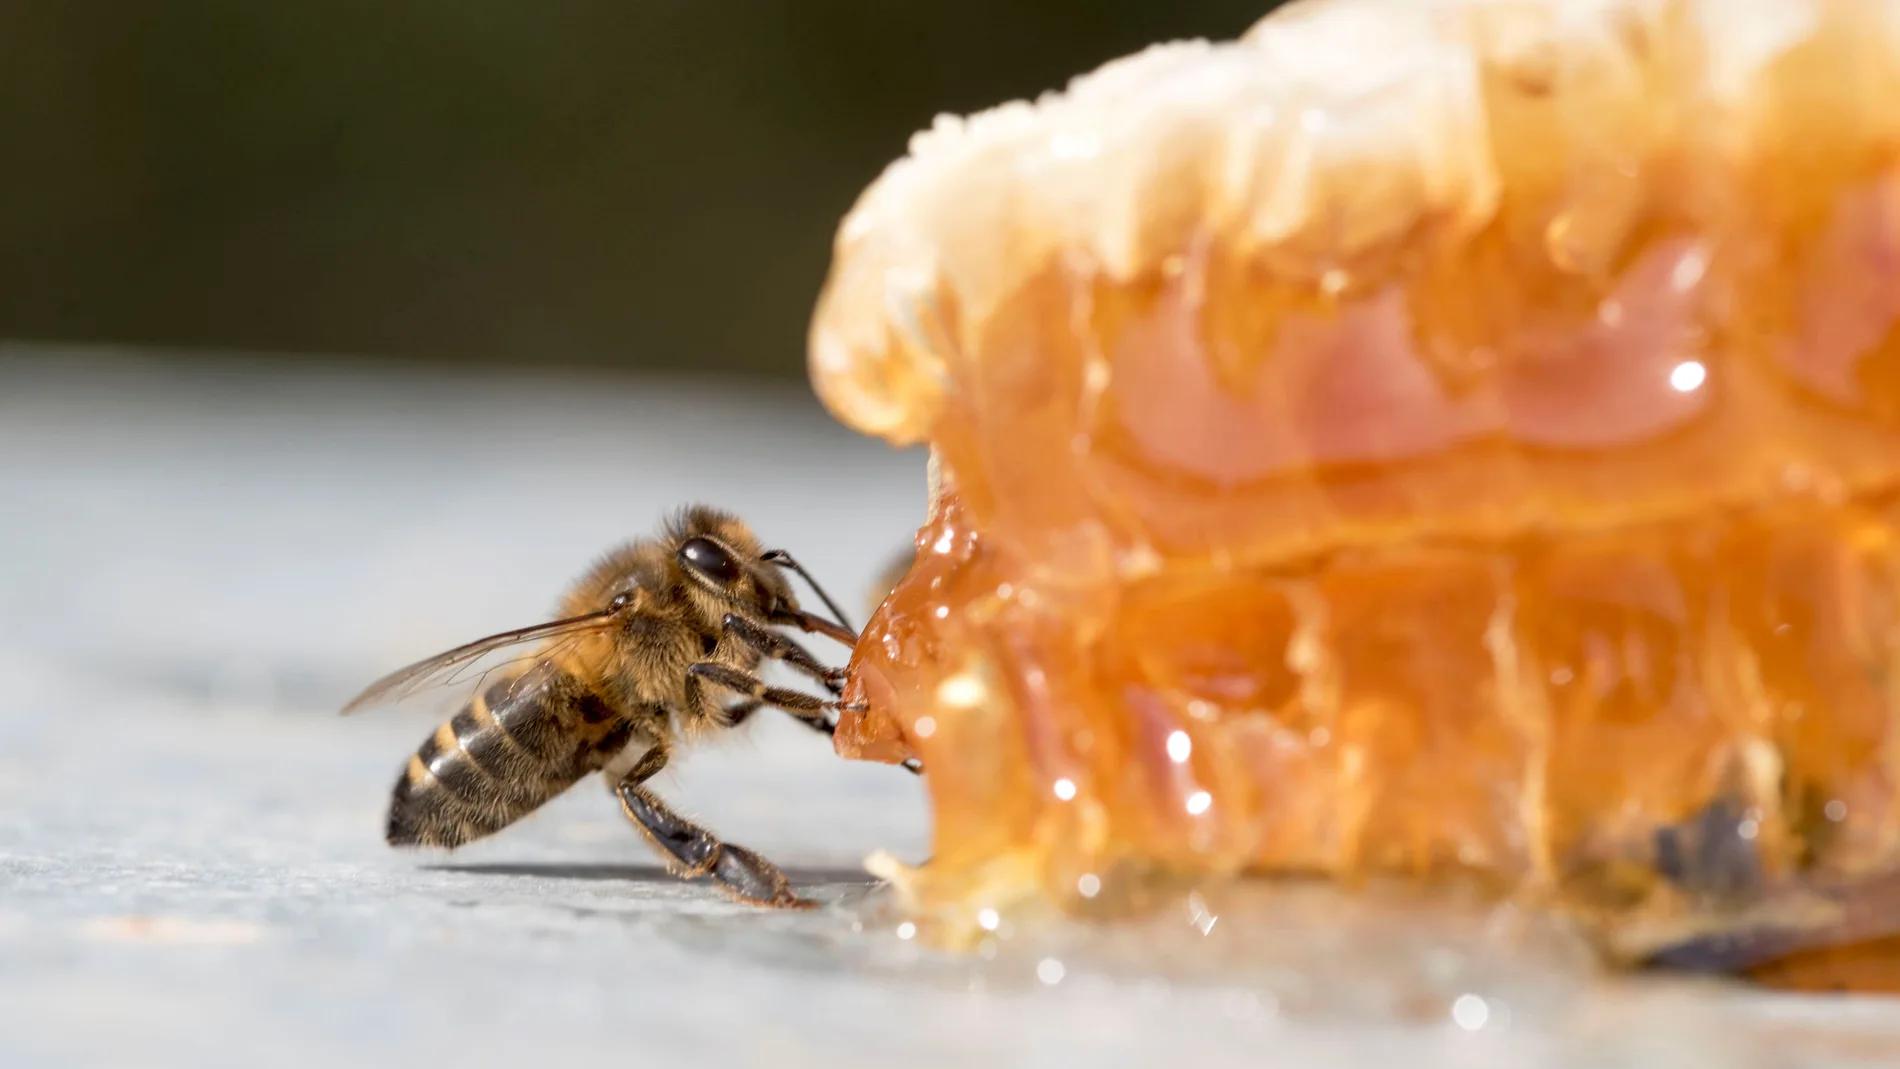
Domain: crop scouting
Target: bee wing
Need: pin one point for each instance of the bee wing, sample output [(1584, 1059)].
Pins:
[(455, 667)]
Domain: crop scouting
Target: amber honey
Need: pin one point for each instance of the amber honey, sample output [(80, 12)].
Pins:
[(1428, 438)]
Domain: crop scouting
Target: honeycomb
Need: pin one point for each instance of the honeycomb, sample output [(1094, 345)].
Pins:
[(1443, 438)]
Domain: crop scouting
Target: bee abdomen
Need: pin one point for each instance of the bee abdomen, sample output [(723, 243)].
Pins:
[(510, 750)]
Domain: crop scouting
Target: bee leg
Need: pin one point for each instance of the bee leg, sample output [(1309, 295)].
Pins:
[(739, 712), (785, 650), (805, 707), (691, 851)]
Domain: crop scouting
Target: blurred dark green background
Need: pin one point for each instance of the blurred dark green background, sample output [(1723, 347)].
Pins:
[(643, 183)]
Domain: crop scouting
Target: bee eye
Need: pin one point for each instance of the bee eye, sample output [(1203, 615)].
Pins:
[(620, 601), (710, 559)]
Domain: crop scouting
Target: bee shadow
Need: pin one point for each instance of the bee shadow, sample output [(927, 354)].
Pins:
[(636, 873)]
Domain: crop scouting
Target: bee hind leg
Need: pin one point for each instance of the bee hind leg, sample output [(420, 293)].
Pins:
[(692, 852)]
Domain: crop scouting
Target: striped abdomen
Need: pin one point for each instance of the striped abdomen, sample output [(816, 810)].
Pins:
[(513, 747)]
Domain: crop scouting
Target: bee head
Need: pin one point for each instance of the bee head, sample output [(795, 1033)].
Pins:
[(722, 559)]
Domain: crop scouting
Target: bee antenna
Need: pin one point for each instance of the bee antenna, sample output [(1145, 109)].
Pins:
[(784, 560)]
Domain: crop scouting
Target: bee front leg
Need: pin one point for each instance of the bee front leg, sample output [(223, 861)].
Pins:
[(691, 851), (805, 707), (785, 650), (739, 712)]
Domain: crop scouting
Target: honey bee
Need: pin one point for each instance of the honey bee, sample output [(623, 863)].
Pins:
[(648, 647)]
